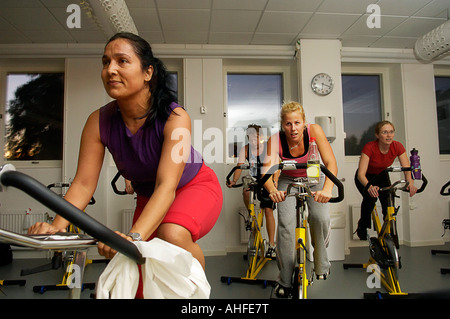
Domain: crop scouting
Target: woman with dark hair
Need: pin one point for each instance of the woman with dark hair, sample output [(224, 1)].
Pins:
[(376, 156), (178, 197), (254, 153)]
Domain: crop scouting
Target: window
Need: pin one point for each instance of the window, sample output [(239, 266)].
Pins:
[(252, 99), (34, 117), (442, 86), (362, 102), (175, 77), (173, 82)]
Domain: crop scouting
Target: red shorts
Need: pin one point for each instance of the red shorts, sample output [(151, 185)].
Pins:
[(196, 207)]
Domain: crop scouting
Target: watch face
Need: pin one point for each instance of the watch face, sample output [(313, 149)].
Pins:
[(135, 236), (322, 84)]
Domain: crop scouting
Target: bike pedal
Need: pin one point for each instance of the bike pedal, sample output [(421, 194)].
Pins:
[(377, 253)]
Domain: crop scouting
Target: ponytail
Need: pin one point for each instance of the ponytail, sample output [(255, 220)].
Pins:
[(161, 94)]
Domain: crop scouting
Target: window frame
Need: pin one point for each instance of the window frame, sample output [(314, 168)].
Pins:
[(176, 66), (42, 68), (444, 72), (386, 109), (238, 68)]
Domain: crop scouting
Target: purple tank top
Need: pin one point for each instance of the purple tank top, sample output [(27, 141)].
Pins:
[(137, 155)]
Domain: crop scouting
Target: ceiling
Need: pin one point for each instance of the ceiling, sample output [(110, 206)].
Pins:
[(234, 22)]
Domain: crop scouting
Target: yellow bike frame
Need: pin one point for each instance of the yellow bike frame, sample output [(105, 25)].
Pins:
[(256, 254), (387, 239), (258, 258), (389, 280), (300, 239), (300, 242)]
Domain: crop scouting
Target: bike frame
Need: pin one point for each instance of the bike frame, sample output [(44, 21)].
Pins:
[(257, 258), (389, 279), (301, 281), (9, 177), (256, 250), (387, 235)]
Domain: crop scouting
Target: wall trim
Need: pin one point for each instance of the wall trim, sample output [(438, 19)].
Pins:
[(384, 55), (52, 50), (348, 54)]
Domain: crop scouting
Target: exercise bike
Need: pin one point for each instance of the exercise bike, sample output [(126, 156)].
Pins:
[(66, 259), (256, 250), (300, 189), (385, 260), (95, 231), (445, 191)]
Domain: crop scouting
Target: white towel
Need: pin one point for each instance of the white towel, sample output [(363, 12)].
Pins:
[(169, 272)]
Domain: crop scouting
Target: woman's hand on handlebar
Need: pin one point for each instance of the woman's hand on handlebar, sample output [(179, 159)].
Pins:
[(230, 184), (277, 196), (373, 190), (412, 189), (322, 196), (107, 251), (44, 228), (128, 187)]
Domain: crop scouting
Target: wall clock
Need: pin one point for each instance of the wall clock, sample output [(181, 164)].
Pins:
[(322, 84)]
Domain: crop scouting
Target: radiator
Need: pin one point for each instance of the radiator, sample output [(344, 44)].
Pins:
[(127, 220), (14, 220)]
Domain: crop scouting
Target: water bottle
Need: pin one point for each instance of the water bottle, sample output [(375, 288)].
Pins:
[(313, 162), (253, 165), (416, 171), (27, 219)]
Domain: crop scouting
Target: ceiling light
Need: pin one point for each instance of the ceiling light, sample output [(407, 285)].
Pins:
[(112, 16), (434, 44)]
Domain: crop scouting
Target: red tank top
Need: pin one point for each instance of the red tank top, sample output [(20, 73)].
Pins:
[(285, 155)]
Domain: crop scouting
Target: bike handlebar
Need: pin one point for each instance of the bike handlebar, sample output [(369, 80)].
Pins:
[(10, 177), (114, 187), (243, 166), (443, 193), (396, 169), (299, 185), (62, 185), (294, 166)]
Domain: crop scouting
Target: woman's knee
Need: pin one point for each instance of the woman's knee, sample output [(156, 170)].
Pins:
[(319, 218), (174, 234)]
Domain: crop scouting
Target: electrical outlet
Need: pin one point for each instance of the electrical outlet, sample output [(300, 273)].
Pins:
[(202, 109)]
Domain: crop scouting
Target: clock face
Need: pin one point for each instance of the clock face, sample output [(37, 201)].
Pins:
[(322, 84)]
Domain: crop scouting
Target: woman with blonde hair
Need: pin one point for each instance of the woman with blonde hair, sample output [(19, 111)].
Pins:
[(292, 143)]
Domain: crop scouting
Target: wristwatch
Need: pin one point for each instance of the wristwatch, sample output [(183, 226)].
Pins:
[(135, 236)]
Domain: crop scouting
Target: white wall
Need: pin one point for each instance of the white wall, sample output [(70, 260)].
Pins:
[(324, 56), (203, 86), (426, 210), (84, 93)]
